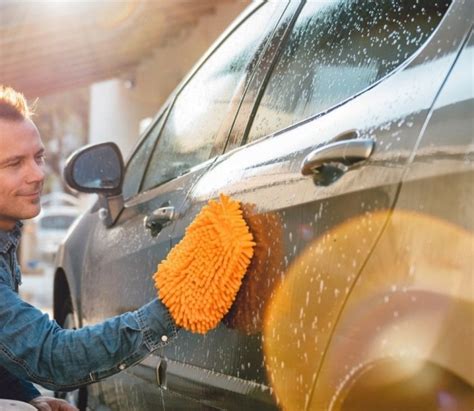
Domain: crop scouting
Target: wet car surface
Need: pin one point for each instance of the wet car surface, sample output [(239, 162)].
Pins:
[(346, 133)]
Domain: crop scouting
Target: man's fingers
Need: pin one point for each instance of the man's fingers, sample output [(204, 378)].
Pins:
[(52, 404), (65, 406), (62, 405), (42, 406)]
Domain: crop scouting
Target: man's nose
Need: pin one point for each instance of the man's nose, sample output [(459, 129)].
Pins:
[(35, 173)]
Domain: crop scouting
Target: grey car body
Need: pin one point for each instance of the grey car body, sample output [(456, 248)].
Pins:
[(346, 131)]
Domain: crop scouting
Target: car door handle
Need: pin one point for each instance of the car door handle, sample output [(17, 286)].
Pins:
[(159, 219), (346, 152)]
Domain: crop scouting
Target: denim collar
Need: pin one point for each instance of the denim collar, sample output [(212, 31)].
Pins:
[(10, 238)]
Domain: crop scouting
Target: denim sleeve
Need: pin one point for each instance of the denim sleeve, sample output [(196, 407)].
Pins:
[(13, 388), (34, 348)]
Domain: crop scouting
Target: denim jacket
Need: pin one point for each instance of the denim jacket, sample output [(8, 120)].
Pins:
[(35, 348)]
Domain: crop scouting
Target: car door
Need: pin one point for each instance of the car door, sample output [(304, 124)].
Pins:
[(178, 149), (409, 320), (324, 149)]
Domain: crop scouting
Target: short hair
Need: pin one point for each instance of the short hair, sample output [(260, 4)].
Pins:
[(13, 105)]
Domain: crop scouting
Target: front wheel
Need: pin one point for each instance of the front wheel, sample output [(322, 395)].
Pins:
[(78, 397)]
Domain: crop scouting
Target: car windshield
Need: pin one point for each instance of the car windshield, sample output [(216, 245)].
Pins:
[(57, 222)]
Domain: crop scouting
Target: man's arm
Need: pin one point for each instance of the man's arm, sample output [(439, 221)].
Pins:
[(38, 349)]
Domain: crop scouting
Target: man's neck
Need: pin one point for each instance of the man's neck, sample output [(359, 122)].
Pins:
[(7, 224)]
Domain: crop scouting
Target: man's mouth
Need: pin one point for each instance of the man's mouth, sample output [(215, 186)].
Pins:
[(31, 195)]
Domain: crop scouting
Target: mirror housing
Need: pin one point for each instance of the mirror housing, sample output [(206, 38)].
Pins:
[(98, 169)]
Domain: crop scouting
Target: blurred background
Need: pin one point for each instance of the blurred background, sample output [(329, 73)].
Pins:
[(96, 70)]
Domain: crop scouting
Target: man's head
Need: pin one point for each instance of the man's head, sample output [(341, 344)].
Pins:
[(21, 160)]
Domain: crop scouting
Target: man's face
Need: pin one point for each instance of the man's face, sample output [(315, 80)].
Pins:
[(21, 171)]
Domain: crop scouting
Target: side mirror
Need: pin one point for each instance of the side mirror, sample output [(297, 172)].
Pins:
[(98, 169)]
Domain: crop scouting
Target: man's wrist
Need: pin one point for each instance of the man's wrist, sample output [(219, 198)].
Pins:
[(156, 322)]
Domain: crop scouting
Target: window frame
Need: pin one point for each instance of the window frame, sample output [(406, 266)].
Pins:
[(235, 103), (147, 133), (247, 117), (254, 92)]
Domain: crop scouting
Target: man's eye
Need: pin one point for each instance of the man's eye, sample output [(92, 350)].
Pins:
[(41, 159), (13, 164)]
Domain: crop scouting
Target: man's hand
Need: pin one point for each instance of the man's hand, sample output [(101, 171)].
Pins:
[(52, 404)]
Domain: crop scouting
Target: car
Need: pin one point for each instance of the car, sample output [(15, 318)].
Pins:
[(43, 234), (344, 128), (52, 225)]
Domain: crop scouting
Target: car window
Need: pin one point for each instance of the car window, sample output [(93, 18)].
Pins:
[(188, 136), (57, 222), (137, 164), (337, 49)]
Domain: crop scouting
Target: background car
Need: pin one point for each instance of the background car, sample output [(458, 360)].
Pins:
[(52, 226), (43, 234), (345, 129)]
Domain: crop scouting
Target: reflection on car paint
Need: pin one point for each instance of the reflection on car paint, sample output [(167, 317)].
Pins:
[(263, 273), (300, 316), (402, 307)]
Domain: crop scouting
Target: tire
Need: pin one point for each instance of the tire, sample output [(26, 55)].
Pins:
[(79, 397)]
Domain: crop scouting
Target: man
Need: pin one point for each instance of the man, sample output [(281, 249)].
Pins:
[(33, 348)]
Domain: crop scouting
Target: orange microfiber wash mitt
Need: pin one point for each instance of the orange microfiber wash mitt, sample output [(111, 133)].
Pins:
[(200, 277)]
